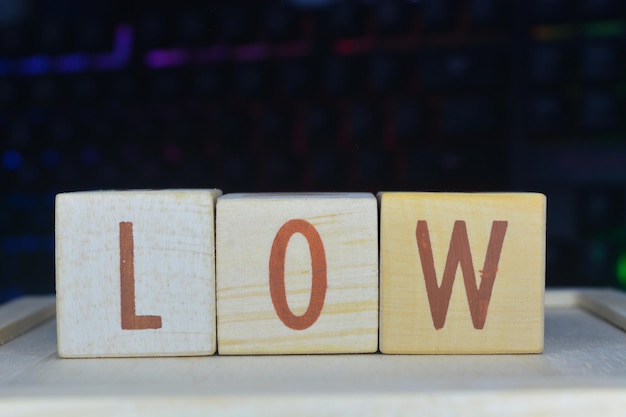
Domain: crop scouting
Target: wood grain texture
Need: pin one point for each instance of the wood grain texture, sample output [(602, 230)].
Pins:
[(19, 316), (135, 273), (462, 273), (297, 273), (607, 304), (582, 372)]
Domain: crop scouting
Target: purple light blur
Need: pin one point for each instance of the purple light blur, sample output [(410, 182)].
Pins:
[(254, 52), (122, 46), (161, 58), (215, 53), (72, 63), (291, 50), (35, 65), (43, 64), (5, 66), (157, 58)]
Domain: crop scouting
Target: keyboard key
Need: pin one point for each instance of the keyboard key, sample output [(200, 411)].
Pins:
[(295, 78), (60, 130), (16, 40), (232, 124), (209, 82), (196, 173), (280, 171), (20, 134), (600, 60), (438, 14), (44, 90), (442, 70), (598, 260), (547, 113), (250, 80), (11, 91), (9, 219), (320, 123), (165, 85), (326, 168), (151, 30), (598, 110), (392, 17), (236, 23), (275, 126), (488, 13), (85, 88), (238, 173), (344, 19), (123, 87), (422, 167), (193, 28), (281, 22), (386, 74), (549, 63), (596, 9), (93, 35), (341, 76), (407, 120), (365, 124), (54, 36), (550, 11), (563, 263), (599, 209), (469, 115), (374, 168)]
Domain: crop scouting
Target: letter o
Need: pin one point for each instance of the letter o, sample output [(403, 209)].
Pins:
[(318, 272)]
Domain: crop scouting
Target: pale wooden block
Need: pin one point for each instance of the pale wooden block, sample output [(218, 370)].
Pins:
[(325, 246), (496, 291), (135, 273)]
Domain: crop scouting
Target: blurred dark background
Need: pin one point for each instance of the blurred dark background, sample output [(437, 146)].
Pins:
[(304, 95)]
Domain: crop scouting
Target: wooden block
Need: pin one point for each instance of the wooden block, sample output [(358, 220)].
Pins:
[(462, 273), (135, 273), (297, 273)]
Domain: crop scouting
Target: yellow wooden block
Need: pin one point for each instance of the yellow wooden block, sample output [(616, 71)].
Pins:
[(297, 273), (135, 273), (462, 273)]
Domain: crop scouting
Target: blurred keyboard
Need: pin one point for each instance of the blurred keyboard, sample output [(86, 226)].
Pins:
[(459, 95)]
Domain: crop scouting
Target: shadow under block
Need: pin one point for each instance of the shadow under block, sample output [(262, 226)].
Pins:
[(135, 273), (462, 273), (297, 273)]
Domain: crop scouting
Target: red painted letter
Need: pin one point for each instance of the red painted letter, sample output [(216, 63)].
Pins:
[(130, 321), (277, 274), (459, 253)]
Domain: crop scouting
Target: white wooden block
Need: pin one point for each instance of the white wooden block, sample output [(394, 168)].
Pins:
[(297, 273), (135, 273)]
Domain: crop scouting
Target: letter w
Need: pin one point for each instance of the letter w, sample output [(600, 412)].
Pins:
[(459, 253)]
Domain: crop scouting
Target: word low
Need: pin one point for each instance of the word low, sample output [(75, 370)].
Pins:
[(195, 272)]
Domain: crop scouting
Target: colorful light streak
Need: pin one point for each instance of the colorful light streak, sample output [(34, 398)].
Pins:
[(43, 64)]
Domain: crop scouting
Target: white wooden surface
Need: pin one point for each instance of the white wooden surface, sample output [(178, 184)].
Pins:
[(19, 316), (582, 372)]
